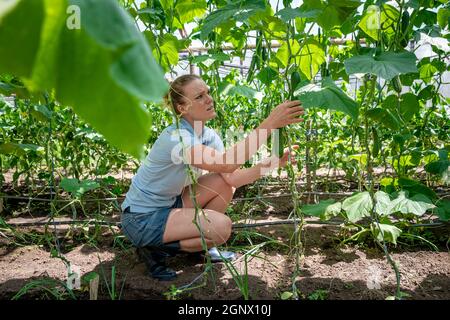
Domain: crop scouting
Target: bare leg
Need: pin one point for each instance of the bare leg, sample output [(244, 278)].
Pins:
[(216, 228), (213, 194)]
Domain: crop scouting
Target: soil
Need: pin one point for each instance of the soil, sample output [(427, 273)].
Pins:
[(329, 269)]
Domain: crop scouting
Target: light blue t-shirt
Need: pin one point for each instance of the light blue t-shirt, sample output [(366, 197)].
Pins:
[(163, 175)]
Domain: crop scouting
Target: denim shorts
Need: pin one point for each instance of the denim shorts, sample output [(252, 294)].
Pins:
[(144, 229)]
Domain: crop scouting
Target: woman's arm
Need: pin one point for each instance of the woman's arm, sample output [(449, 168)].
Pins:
[(241, 177), (209, 159)]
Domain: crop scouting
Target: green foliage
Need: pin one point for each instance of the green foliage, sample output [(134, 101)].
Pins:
[(358, 206), (416, 205), (385, 232), (328, 96), (325, 209), (103, 69), (239, 11), (78, 188), (308, 55), (443, 209), (385, 64), (379, 20), (319, 294), (392, 113)]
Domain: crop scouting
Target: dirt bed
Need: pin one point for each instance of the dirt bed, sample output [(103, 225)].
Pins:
[(328, 271)]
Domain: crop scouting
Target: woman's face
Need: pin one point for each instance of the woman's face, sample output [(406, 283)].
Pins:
[(198, 104)]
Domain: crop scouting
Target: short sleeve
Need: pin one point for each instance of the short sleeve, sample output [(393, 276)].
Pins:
[(214, 141), (182, 141)]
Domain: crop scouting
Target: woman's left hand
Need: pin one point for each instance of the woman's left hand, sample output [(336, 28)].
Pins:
[(274, 162), (285, 158)]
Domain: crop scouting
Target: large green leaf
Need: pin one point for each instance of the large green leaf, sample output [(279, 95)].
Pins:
[(330, 13), (415, 187), (188, 10), (382, 18), (387, 232), (78, 188), (287, 14), (382, 203), (385, 65), (309, 56), (416, 205), (437, 167), (238, 10), (208, 59), (241, 90), (104, 69), (385, 117), (329, 96), (409, 105), (19, 148), (267, 75), (358, 206), (167, 52), (336, 12), (427, 71), (443, 209), (324, 209), (443, 17)]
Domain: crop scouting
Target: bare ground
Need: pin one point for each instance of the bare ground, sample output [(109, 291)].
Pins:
[(330, 271)]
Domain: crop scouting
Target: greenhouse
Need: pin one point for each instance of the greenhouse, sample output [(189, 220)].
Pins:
[(224, 150)]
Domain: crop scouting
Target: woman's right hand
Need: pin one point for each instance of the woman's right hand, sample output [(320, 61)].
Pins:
[(284, 114)]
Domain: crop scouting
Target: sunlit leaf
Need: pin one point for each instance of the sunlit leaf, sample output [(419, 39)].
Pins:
[(382, 203), (377, 19), (188, 10), (386, 232), (416, 205), (329, 96), (385, 65), (358, 206), (324, 209), (104, 69)]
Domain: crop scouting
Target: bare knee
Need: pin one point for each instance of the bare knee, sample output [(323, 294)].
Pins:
[(227, 189), (222, 226)]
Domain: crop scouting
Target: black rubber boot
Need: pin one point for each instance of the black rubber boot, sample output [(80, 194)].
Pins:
[(154, 260)]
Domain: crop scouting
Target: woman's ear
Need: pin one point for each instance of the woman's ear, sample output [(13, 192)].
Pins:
[(181, 108)]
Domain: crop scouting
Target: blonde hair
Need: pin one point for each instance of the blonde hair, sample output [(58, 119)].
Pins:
[(176, 93)]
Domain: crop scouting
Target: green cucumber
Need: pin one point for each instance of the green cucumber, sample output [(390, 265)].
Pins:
[(295, 80), (281, 138), (376, 143), (404, 24), (281, 141), (397, 84)]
